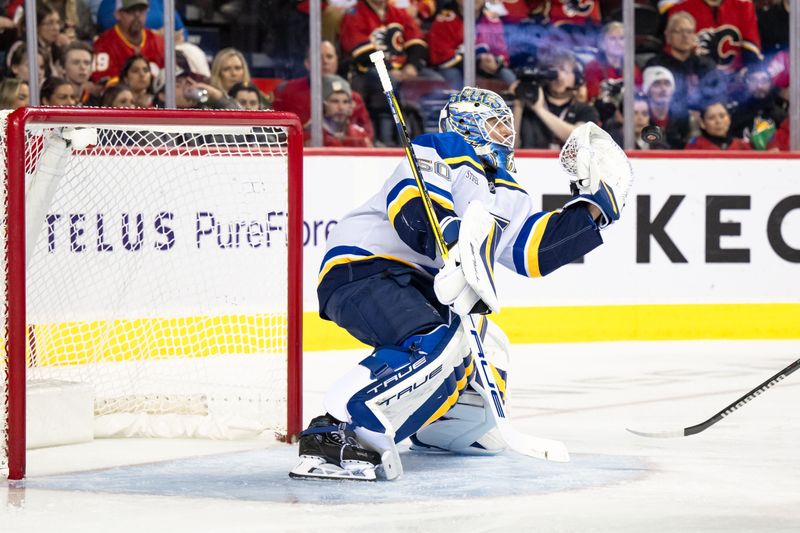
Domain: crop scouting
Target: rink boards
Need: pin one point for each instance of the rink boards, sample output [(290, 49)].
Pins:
[(707, 248)]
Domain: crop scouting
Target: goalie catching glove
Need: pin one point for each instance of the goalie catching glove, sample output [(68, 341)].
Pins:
[(600, 170), (466, 281)]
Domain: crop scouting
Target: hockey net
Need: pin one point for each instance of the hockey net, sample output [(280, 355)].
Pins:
[(159, 268)]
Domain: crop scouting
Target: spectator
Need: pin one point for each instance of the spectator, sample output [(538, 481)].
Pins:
[(672, 118), (547, 120), (48, 29), (727, 30), (295, 95), (378, 25), (544, 24), (773, 27), (761, 103), (565, 14), (246, 95), (781, 139), (75, 65), (446, 44), (229, 68), (74, 14), (18, 63), (128, 37), (608, 65), (118, 95), (337, 128), (58, 92), (192, 90), (9, 32), (136, 75), (641, 118), (13, 93), (715, 125), (153, 21), (696, 76)]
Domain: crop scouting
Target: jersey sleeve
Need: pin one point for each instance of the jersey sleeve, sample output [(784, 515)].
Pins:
[(547, 240), (444, 160)]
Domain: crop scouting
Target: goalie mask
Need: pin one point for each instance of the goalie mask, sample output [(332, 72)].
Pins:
[(485, 121)]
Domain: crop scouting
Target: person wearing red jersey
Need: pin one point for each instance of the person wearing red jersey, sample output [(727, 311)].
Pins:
[(128, 37), (373, 25), (337, 126), (446, 41), (715, 130), (377, 25), (608, 64), (295, 95), (727, 29), (566, 12)]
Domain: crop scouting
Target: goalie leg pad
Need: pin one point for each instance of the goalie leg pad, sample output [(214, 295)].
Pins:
[(468, 427), (399, 389), (465, 429)]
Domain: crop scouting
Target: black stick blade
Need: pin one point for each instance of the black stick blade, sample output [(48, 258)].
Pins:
[(750, 395)]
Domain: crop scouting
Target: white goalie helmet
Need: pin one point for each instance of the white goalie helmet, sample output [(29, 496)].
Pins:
[(485, 121)]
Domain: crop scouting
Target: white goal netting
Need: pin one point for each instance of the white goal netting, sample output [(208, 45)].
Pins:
[(156, 274)]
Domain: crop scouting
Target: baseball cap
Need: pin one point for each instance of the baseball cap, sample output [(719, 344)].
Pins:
[(654, 74), (335, 84), (130, 4)]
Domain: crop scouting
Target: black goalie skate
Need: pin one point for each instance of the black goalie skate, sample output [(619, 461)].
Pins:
[(329, 450)]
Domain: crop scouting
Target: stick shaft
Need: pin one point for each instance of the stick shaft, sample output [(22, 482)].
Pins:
[(745, 398), (727, 410)]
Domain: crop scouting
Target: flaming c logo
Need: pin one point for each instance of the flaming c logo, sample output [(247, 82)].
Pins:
[(721, 44), (578, 8)]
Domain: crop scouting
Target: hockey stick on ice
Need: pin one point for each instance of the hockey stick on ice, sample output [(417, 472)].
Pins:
[(702, 426), (551, 450)]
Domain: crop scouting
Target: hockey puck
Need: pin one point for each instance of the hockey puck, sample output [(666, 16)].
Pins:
[(652, 134)]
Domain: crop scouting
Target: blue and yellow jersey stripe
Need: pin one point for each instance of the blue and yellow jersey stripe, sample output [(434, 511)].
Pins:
[(526, 246), (464, 160), (407, 190), (504, 180)]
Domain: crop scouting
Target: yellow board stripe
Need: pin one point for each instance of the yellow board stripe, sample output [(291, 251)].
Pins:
[(527, 325), (71, 343), (200, 336), (533, 245)]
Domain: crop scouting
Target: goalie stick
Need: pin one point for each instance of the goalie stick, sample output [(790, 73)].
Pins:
[(702, 426), (552, 450)]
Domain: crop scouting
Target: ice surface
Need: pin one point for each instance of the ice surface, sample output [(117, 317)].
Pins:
[(743, 474)]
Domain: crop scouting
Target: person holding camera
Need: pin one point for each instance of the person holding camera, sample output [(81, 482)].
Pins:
[(192, 90), (546, 109)]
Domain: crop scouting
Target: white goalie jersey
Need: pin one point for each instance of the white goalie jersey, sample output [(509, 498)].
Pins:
[(392, 225)]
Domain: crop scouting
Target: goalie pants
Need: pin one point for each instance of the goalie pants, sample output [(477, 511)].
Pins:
[(388, 307), (421, 363)]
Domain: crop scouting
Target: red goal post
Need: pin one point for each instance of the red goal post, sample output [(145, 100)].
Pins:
[(131, 213)]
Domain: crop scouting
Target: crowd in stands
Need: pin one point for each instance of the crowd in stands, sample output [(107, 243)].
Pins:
[(713, 74)]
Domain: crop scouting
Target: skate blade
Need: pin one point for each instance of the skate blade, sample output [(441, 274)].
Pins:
[(311, 467)]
